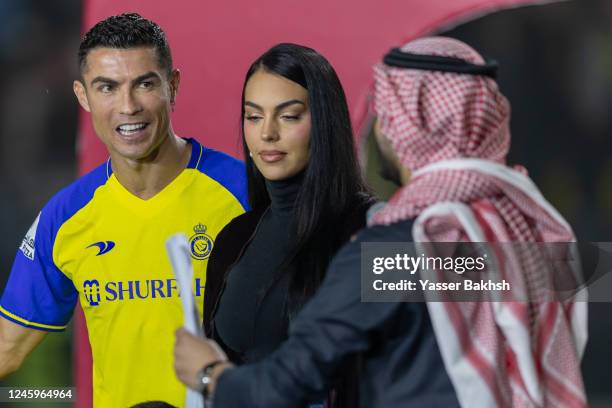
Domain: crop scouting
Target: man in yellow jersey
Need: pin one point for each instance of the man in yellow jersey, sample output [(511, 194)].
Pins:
[(101, 240)]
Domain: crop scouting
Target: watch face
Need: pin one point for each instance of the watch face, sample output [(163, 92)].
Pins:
[(202, 380)]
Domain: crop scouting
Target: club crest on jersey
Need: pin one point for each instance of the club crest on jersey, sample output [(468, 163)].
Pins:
[(91, 290), (201, 244)]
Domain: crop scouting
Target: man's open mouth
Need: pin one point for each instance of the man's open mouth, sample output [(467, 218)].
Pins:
[(130, 129)]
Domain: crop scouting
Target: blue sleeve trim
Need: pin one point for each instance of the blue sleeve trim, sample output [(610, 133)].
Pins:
[(32, 325)]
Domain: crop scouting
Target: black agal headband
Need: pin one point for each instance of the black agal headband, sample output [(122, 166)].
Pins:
[(397, 58)]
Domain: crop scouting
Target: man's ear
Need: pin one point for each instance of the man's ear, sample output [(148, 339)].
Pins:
[(81, 94), (175, 80)]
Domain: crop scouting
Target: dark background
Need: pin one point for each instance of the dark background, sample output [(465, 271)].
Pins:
[(556, 70)]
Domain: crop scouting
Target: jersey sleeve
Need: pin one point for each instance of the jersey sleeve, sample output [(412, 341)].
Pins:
[(38, 295)]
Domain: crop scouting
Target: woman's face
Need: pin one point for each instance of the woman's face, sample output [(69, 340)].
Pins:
[(277, 125)]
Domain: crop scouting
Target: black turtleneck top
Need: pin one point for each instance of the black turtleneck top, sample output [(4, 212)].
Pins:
[(252, 318)]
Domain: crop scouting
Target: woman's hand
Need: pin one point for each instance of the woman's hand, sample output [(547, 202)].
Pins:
[(191, 354)]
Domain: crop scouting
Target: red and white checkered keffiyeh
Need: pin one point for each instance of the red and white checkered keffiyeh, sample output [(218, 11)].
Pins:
[(451, 131)]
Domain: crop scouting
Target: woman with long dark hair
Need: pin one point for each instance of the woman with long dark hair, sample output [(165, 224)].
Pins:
[(307, 199)]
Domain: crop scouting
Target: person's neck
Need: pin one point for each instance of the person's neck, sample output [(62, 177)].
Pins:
[(405, 176), (283, 194), (147, 177)]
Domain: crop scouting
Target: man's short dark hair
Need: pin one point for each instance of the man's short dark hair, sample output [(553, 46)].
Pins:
[(124, 31), (153, 404)]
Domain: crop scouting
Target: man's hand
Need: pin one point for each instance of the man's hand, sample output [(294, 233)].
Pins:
[(192, 353)]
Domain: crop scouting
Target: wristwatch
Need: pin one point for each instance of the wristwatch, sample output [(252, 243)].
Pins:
[(203, 378)]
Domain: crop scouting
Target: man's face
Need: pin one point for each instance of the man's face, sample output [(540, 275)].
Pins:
[(389, 169), (130, 98)]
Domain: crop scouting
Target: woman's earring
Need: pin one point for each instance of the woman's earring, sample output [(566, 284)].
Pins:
[(250, 154)]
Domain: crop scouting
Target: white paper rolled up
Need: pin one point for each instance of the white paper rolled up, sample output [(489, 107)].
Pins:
[(180, 258)]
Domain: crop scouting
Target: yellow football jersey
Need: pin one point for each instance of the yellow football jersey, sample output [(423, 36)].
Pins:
[(100, 244)]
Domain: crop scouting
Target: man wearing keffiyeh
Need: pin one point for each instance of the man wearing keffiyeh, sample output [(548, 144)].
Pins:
[(444, 126), (451, 131)]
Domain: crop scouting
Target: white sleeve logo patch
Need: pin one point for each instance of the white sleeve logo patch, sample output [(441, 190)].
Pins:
[(27, 245)]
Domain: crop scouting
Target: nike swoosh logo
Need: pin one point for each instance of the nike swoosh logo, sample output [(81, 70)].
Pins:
[(103, 246)]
